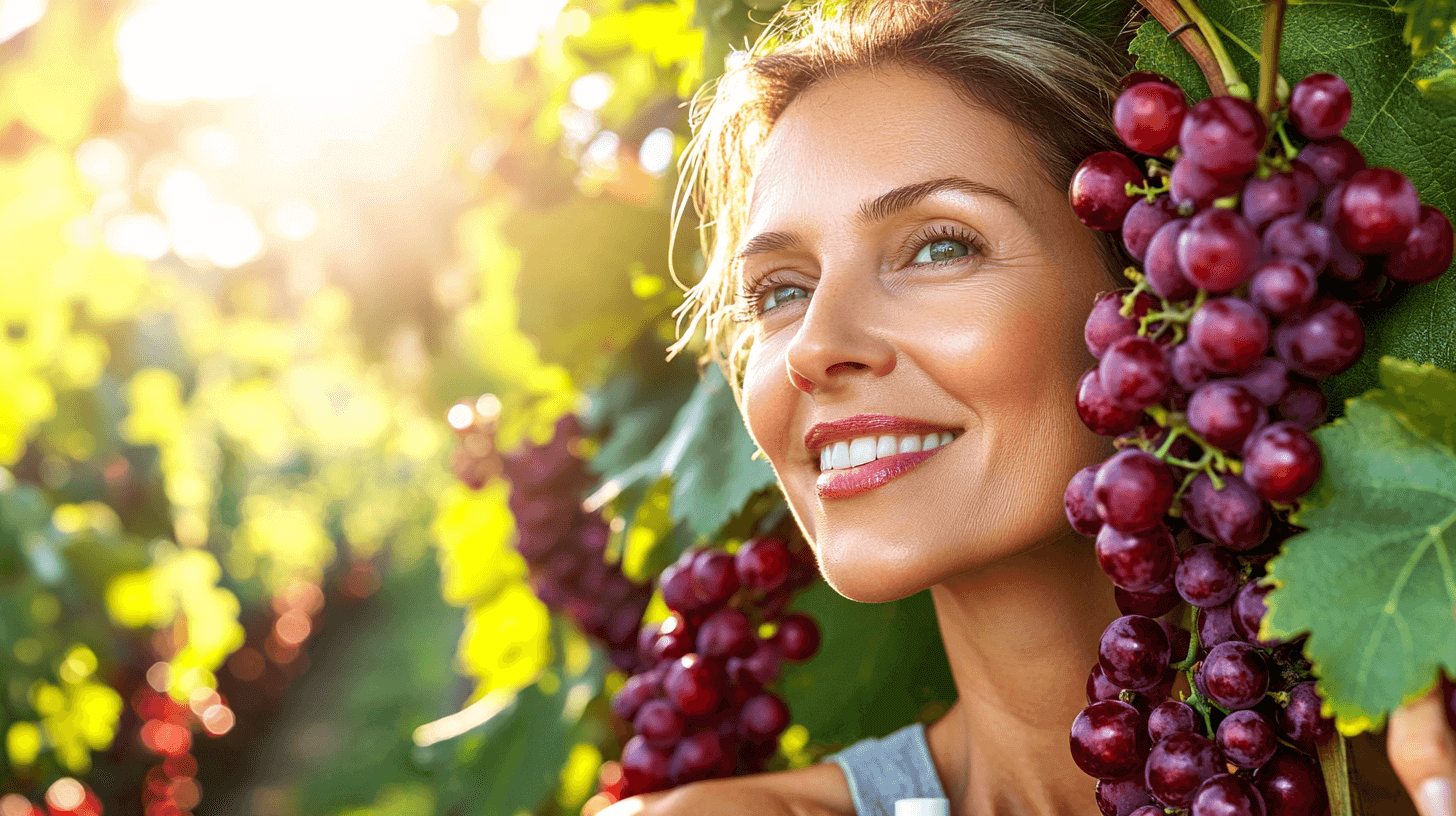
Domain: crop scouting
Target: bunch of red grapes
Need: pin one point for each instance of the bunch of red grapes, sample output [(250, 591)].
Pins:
[(565, 546), (700, 706), (1252, 254)]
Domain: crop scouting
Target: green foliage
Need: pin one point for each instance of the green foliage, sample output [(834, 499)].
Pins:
[(1426, 23), (1373, 580)]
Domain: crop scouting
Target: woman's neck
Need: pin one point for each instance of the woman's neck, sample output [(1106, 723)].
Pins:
[(1021, 636)]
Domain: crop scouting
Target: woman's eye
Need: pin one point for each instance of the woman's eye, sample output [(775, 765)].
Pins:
[(943, 249), (780, 295)]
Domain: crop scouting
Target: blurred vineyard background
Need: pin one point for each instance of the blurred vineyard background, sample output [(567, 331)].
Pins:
[(253, 251)]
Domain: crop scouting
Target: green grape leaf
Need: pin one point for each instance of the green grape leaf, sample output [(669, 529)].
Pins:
[(635, 408), (1426, 22), (1393, 123), (1422, 396), (1373, 580), (1441, 87)]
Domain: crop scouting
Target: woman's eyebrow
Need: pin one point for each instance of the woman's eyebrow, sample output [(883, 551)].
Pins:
[(766, 242), (902, 197)]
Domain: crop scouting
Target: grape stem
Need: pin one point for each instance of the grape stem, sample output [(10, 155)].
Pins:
[(1269, 78), (1234, 84), (1172, 18)]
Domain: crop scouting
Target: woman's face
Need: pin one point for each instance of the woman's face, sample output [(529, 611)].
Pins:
[(914, 274)]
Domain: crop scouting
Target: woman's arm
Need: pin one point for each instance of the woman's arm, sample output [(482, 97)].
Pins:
[(1422, 751), (819, 790)]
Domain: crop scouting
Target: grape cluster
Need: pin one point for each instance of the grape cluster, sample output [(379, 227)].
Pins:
[(565, 545), (475, 460), (1252, 255), (700, 707)]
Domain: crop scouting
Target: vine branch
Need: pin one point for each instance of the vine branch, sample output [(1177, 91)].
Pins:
[(1171, 17)]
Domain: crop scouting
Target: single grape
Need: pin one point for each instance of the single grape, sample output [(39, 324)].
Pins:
[(1249, 609), (1161, 266), (1426, 253), (1099, 687), (1120, 797), (1269, 380), (1134, 372), (1292, 238), (1144, 219), (1309, 183), (634, 694), (1147, 117), (714, 578), (1148, 810), (1320, 105), (694, 685), (1134, 653), (1215, 626), (764, 663), (725, 633), (1079, 503), (1224, 414), (1227, 795), (1108, 740), (1265, 199), (1133, 490), (1178, 765), (1281, 462), (1223, 135), (797, 637), (1098, 412), (1188, 370), (1136, 77), (1229, 335), (1247, 738), (762, 564), (763, 718), (1376, 211), (1321, 341), (659, 723), (696, 758), (1301, 721), (1192, 188), (1282, 287), (1219, 250), (1235, 675), (1157, 601), (1136, 562), (1207, 576), (1099, 189), (676, 638), (1105, 323), (676, 587), (1332, 161), (644, 768), (1291, 786), (1172, 717)]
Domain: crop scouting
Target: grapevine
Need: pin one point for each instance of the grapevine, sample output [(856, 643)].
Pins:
[(1254, 256)]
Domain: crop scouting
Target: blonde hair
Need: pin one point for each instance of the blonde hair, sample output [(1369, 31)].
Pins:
[(1014, 57)]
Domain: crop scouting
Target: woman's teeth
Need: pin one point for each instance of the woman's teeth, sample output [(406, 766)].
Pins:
[(856, 452)]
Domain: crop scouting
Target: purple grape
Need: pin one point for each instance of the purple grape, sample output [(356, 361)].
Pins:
[(762, 564), (1309, 183), (1207, 576), (1161, 266), (1157, 601), (1099, 688), (1301, 720), (1282, 462), (1136, 562), (1108, 740), (1099, 189), (714, 578), (1223, 135), (1134, 653), (1120, 797), (1188, 370), (644, 768), (1172, 717), (1224, 414), (1147, 117), (1249, 609), (1320, 105), (763, 718), (1426, 253), (1099, 413), (693, 685), (1147, 810), (725, 633), (1332, 161), (1215, 626), (1376, 211), (1142, 221), (1178, 765), (675, 639), (696, 758), (1268, 380), (797, 637), (1291, 786), (659, 723), (1235, 675), (634, 694), (676, 585), (1106, 325), (1305, 405), (1079, 503), (1192, 188), (1247, 738), (763, 664), (1227, 795), (1134, 372), (1265, 199), (1133, 490), (1292, 238), (1219, 250), (1281, 287), (1229, 335)]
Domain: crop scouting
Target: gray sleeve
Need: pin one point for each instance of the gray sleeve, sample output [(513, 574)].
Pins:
[(882, 771)]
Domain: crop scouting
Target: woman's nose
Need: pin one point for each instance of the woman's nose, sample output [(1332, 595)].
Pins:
[(840, 336)]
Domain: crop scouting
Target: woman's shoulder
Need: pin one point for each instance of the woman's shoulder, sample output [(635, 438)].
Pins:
[(818, 790)]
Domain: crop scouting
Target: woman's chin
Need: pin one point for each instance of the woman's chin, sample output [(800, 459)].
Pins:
[(874, 574)]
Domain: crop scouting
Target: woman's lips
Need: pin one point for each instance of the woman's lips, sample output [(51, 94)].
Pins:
[(839, 484)]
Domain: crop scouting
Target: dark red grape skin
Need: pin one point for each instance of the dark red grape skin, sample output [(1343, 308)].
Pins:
[(1309, 183), (1376, 211), (1321, 341), (1120, 797), (1134, 372), (1188, 370), (1223, 135), (1292, 238), (764, 663), (1219, 250), (1098, 412), (1215, 626), (1291, 786), (1282, 461), (1320, 105), (1161, 266), (1133, 489), (1300, 720), (676, 586), (714, 578), (696, 758), (1426, 254), (1207, 576), (762, 564), (1099, 687), (1249, 610), (1099, 189), (693, 685), (1268, 380), (645, 768), (1227, 795), (1265, 199), (1332, 160), (633, 694), (659, 723), (1234, 517), (763, 718), (1235, 675), (1192, 188), (1247, 738), (1147, 117), (1079, 503), (1108, 740), (1172, 717), (1224, 414), (1136, 562), (797, 637), (1281, 287), (1178, 765), (1151, 604), (725, 633), (1106, 325), (1148, 810), (1134, 653), (1144, 219), (1229, 335)]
